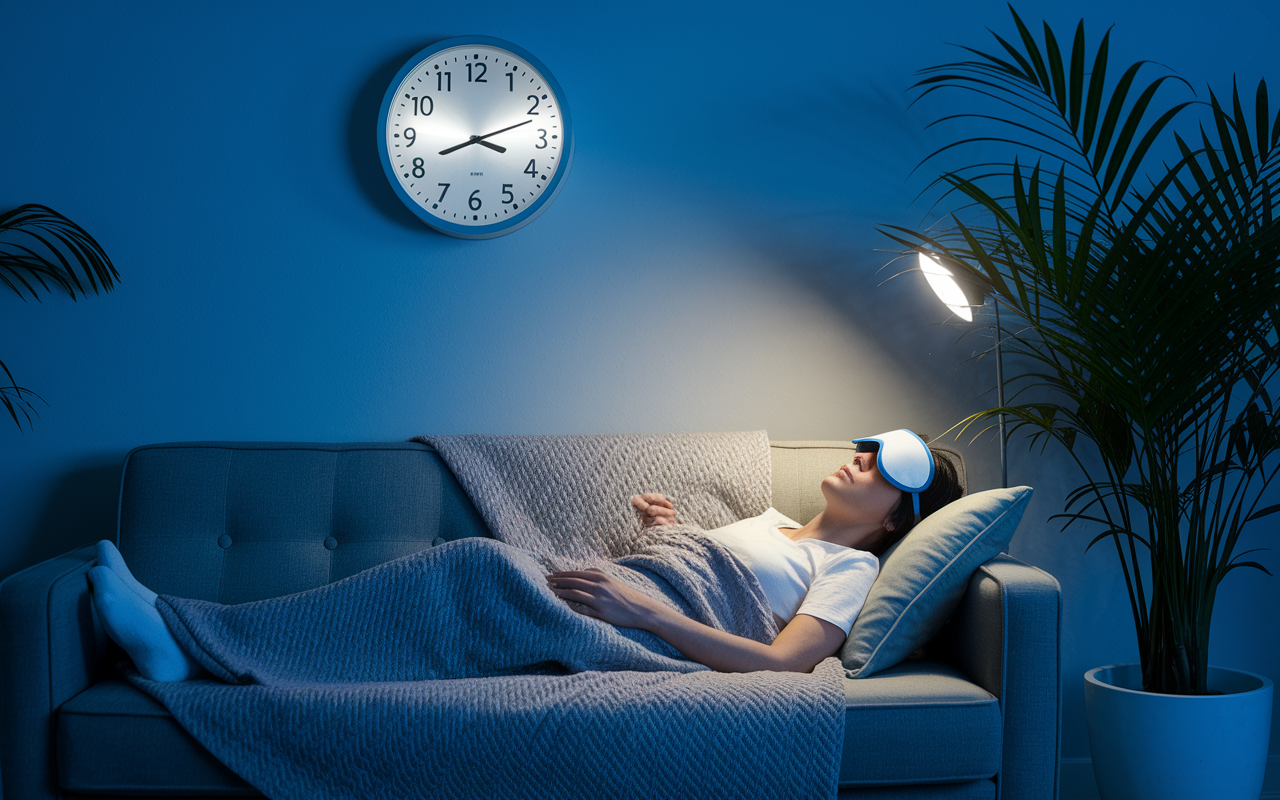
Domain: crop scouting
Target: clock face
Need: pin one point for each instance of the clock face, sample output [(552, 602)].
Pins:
[(476, 138)]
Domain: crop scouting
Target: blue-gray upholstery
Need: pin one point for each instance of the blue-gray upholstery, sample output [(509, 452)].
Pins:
[(976, 717)]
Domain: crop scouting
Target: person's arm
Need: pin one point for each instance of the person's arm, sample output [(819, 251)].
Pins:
[(799, 646)]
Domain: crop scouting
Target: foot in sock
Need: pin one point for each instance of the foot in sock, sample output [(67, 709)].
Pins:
[(109, 556), (137, 626)]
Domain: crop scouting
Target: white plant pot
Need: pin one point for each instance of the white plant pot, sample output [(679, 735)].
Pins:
[(1149, 746)]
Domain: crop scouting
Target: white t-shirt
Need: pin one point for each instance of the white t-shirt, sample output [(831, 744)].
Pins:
[(821, 579)]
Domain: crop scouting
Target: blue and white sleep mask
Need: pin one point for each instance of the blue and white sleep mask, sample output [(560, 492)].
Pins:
[(903, 459)]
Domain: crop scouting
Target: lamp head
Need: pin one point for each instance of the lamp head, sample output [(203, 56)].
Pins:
[(944, 285)]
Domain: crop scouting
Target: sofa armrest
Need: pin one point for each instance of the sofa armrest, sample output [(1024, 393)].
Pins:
[(1005, 636), (53, 648)]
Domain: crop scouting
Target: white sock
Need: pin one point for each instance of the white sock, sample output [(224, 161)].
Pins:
[(109, 556), (137, 626)]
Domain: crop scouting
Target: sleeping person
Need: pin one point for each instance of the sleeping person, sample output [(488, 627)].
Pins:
[(815, 576)]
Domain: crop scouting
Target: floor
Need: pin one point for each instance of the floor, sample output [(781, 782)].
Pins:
[(1078, 784)]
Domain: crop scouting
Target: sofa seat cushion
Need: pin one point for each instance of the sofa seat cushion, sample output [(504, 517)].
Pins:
[(113, 738), (919, 722)]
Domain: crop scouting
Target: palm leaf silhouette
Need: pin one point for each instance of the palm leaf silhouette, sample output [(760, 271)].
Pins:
[(41, 250), (1146, 296)]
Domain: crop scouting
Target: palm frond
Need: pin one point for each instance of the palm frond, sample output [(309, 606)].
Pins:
[(37, 242), (41, 249), (19, 402), (1147, 296)]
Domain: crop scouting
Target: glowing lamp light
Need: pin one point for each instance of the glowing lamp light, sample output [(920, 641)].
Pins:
[(944, 285)]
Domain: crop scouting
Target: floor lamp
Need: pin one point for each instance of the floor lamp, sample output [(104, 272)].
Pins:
[(944, 285)]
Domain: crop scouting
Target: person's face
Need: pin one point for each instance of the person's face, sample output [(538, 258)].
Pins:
[(857, 491)]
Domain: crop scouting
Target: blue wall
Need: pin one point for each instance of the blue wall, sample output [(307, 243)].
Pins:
[(710, 265)]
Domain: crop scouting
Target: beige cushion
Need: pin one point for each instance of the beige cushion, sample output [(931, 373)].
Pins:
[(924, 576)]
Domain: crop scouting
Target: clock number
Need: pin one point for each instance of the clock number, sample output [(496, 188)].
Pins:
[(418, 171), (444, 82), (479, 78), (411, 135), (442, 191), (531, 170), (511, 81), (506, 193), (474, 201), (542, 138), (534, 98), (423, 105)]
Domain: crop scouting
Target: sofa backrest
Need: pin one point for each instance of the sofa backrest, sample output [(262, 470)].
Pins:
[(233, 522), (239, 521)]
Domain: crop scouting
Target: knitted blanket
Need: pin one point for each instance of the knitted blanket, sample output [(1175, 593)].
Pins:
[(455, 673)]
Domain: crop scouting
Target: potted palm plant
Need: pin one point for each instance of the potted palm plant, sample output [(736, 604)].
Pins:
[(39, 247), (1138, 272)]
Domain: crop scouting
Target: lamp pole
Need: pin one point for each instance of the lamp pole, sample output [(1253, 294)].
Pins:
[(944, 285), (1004, 457)]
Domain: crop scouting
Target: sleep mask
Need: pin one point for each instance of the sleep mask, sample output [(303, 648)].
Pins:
[(903, 459)]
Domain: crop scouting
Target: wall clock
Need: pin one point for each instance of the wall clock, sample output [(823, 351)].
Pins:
[(475, 136)]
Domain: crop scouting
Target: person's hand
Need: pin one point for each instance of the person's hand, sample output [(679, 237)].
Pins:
[(654, 508), (594, 594)]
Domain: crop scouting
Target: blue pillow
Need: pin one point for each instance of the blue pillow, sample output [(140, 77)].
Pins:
[(923, 577)]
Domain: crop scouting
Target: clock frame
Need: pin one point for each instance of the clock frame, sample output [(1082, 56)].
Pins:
[(475, 136)]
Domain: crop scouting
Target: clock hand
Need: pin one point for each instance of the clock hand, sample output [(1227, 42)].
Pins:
[(474, 140), (504, 130), (480, 139)]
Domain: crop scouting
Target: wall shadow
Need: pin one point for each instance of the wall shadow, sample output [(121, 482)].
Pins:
[(362, 143), (80, 510)]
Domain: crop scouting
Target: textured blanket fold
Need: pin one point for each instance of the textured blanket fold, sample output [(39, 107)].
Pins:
[(569, 495), (456, 673)]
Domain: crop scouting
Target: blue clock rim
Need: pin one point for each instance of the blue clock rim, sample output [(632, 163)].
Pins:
[(531, 211)]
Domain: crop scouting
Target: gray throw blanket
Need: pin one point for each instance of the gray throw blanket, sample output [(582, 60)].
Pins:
[(455, 673)]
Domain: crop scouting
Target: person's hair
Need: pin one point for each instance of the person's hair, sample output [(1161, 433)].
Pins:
[(944, 489)]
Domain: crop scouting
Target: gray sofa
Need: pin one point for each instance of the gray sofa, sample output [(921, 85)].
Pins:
[(975, 715)]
